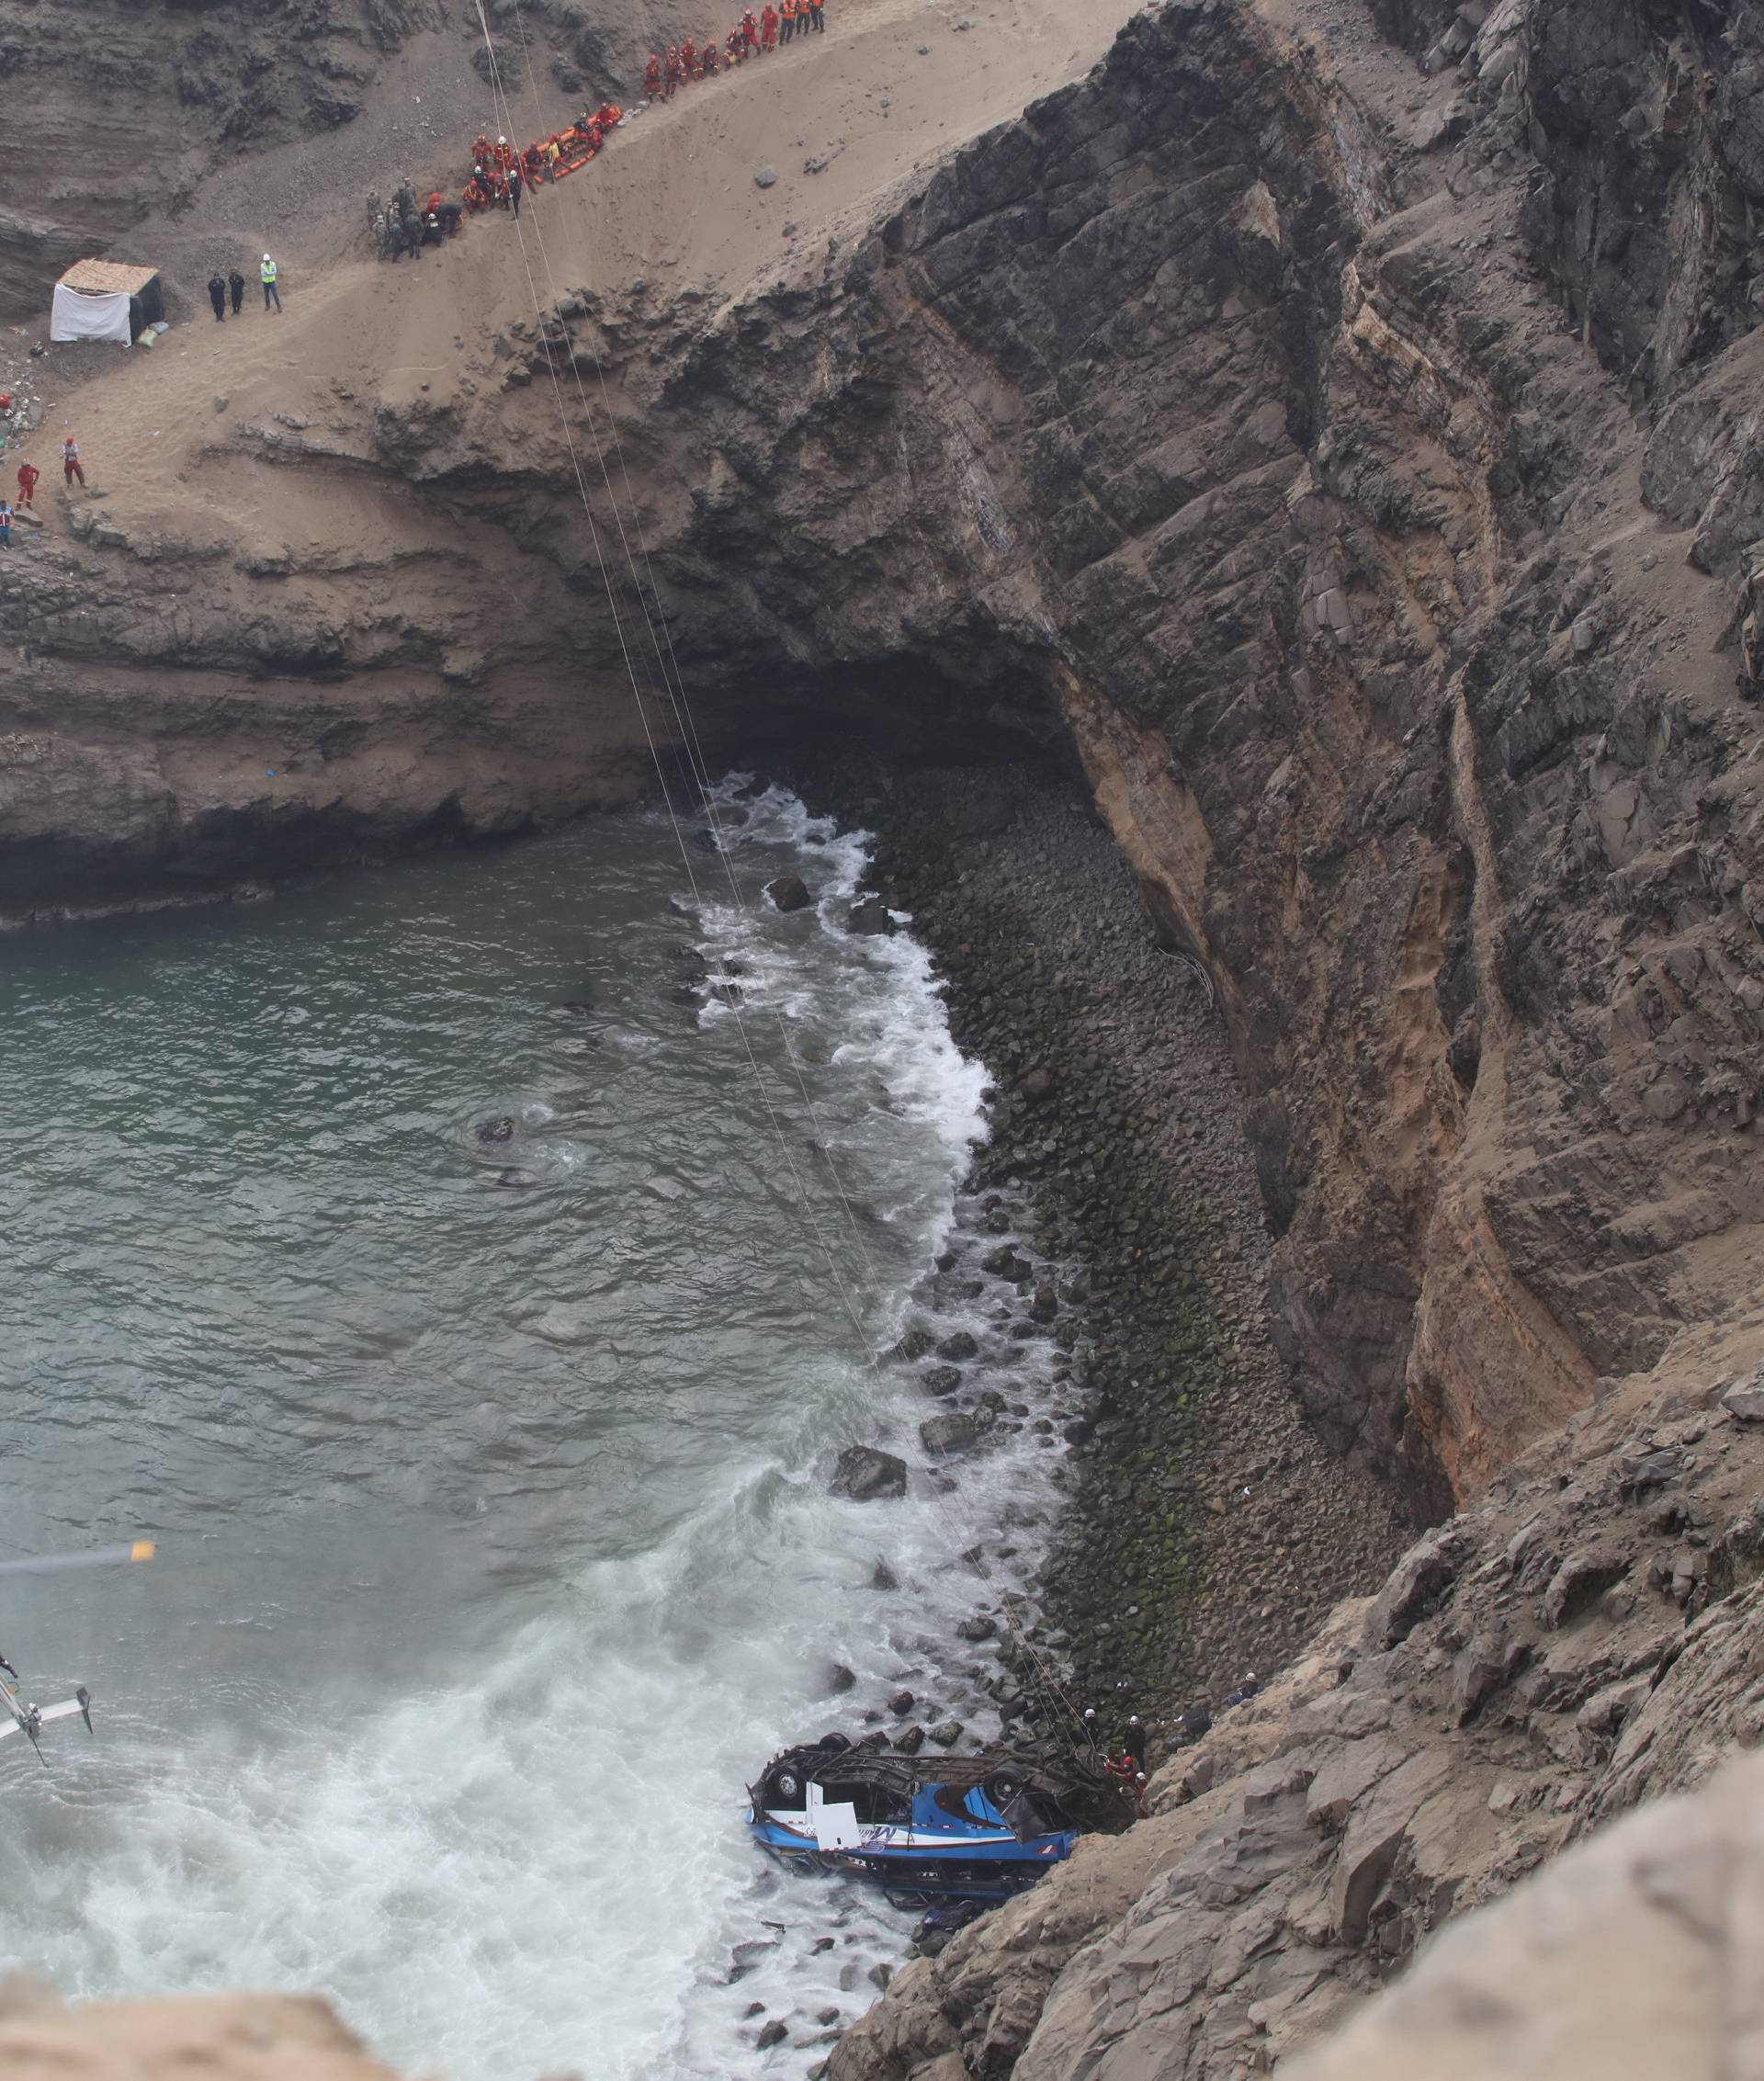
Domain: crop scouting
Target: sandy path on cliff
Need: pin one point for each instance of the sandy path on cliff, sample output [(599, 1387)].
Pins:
[(890, 88)]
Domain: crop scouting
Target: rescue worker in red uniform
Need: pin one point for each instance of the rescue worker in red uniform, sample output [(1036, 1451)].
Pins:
[(750, 31), (652, 76), (689, 60), (28, 475), (735, 44), (769, 28), (671, 73)]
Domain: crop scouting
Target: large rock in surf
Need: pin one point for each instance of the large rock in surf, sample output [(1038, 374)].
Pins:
[(943, 1434), (789, 892), (865, 1473)]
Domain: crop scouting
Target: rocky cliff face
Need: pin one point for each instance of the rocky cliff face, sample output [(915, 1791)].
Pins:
[(1572, 1648), (1271, 417), (1239, 407)]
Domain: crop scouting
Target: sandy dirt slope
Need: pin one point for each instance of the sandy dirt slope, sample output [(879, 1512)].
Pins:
[(673, 201)]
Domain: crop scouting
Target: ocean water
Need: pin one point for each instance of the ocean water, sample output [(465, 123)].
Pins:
[(490, 1476)]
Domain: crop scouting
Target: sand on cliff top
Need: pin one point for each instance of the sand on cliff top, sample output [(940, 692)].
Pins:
[(890, 88)]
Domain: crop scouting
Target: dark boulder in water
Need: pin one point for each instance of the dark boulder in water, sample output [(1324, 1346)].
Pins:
[(865, 1473), (960, 1346), (840, 1679), (500, 1130), (943, 1379), (914, 1344), (513, 1177), (882, 1577), (953, 1433), (789, 892)]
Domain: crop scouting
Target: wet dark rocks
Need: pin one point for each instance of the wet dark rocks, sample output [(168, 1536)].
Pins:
[(1036, 1085), (840, 1679), (942, 1379), (979, 1627), (577, 1007), (789, 892), (1045, 1305), (910, 1740), (1004, 1263), (882, 1577), (901, 1703), (865, 1473), (960, 1348), (941, 1435), (915, 1344), (772, 2033), (870, 919), (946, 1733), (500, 1130)]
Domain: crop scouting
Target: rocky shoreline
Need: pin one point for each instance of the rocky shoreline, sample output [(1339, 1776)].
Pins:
[(1206, 1529)]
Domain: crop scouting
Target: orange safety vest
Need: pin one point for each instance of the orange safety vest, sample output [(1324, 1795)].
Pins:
[(789, 10)]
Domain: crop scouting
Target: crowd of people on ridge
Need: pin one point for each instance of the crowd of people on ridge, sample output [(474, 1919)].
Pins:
[(752, 37), (501, 173)]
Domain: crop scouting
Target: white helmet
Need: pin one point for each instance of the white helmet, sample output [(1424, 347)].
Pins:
[(266, 256), (501, 141)]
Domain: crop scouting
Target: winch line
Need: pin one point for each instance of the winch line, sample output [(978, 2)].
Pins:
[(1053, 1689), (668, 666), (506, 127), (674, 682)]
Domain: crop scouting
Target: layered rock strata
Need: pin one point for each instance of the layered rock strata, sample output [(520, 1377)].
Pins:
[(1228, 416), (1576, 1646)]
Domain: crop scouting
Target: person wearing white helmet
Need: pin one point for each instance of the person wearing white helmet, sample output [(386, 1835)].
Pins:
[(266, 274)]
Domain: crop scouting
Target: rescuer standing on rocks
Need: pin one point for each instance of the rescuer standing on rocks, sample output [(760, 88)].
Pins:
[(28, 475), (266, 274), (218, 297)]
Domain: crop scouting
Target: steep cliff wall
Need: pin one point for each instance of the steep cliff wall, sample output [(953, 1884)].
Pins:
[(1224, 405), (1236, 414)]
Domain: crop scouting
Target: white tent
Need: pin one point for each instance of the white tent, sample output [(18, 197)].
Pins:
[(101, 299), (79, 314)]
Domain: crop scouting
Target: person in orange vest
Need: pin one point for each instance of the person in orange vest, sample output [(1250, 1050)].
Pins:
[(652, 75), (671, 73), (608, 114), (689, 60), (817, 20), (769, 28), (789, 12), (28, 474)]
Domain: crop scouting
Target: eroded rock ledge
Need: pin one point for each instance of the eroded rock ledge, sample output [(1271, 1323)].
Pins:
[(1573, 1647)]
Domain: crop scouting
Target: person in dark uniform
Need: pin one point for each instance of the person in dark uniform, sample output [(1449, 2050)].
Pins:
[(1134, 1741), (236, 283), (218, 297)]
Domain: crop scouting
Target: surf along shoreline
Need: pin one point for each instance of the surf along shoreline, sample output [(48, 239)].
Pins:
[(1205, 1530)]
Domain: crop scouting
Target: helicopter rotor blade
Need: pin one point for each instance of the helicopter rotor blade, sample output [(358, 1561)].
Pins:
[(106, 1556)]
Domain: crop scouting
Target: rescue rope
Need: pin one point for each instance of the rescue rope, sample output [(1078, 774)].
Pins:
[(674, 684)]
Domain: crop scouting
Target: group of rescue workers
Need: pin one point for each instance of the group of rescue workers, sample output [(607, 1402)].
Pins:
[(501, 173), (752, 37)]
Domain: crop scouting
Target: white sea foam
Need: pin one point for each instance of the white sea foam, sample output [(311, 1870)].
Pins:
[(533, 1861)]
